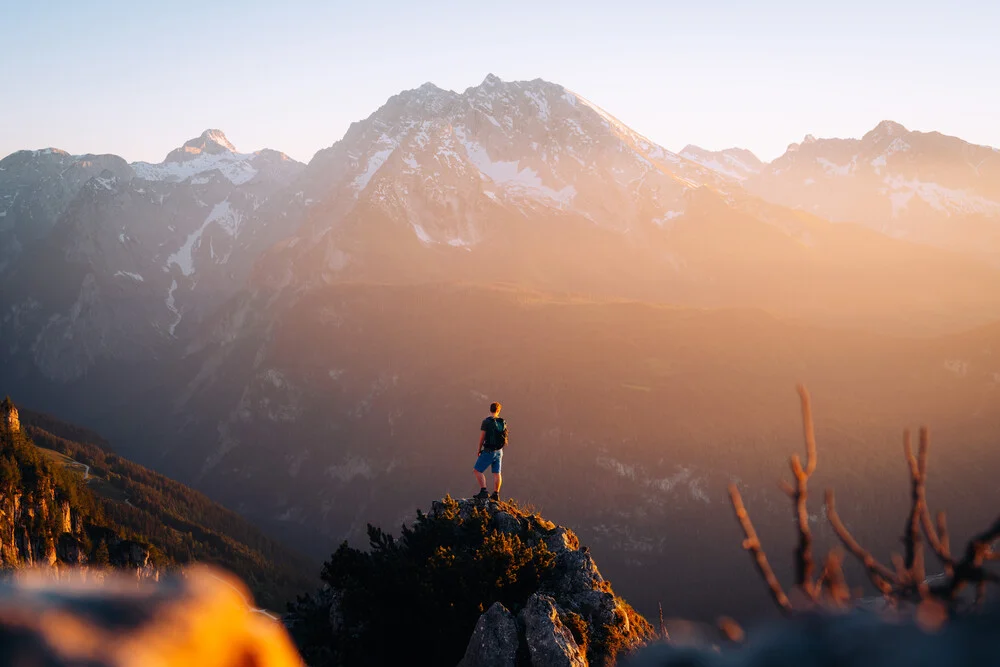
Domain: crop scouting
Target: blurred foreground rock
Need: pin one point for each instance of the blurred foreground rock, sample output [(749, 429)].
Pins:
[(196, 619), (857, 639)]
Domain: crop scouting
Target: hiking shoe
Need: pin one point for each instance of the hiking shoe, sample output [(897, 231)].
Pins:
[(495, 496), (482, 495)]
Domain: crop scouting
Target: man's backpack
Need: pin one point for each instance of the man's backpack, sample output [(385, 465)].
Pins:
[(496, 435)]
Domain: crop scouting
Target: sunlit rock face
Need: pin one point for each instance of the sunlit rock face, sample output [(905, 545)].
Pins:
[(9, 419), (199, 618)]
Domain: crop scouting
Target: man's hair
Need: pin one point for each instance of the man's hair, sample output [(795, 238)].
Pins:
[(495, 407)]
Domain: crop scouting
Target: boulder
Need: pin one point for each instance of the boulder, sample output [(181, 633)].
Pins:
[(506, 523), (550, 643), (494, 641), (561, 539)]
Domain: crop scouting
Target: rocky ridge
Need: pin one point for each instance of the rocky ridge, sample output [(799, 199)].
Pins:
[(572, 608), (113, 261), (921, 186)]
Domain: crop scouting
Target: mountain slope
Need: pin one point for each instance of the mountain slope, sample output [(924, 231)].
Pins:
[(528, 183), (78, 501), (736, 163), (626, 418), (136, 258), (926, 187), (513, 241)]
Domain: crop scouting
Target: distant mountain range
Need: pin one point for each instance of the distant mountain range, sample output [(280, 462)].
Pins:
[(313, 344)]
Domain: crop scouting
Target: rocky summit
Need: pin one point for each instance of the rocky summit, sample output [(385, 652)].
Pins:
[(525, 593), (572, 608)]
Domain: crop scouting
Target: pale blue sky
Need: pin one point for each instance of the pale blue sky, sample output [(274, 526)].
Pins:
[(140, 78)]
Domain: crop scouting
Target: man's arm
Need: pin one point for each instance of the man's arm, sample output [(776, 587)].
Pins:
[(482, 441)]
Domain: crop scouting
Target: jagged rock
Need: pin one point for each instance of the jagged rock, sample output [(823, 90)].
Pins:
[(494, 641), (137, 555), (562, 539), (200, 618), (71, 551), (9, 419), (550, 643), (506, 523), (65, 517)]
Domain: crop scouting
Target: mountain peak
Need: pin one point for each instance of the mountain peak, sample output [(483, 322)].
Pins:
[(885, 130), (218, 138), (210, 141), (490, 81)]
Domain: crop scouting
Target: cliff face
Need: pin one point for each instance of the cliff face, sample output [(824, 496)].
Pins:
[(47, 517), (478, 583)]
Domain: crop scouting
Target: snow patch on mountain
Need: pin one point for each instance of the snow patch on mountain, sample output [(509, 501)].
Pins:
[(422, 233), (937, 197), (375, 162), (511, 175), (172, 307), (237, 168), (735, 163), (127, 274), (225, 216), (664, 220), (834, 169)]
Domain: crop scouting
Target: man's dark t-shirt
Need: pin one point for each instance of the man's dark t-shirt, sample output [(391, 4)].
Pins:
[(489, 428)]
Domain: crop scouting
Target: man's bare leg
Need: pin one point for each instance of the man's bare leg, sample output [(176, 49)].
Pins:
[(481, 478), (497, 481)]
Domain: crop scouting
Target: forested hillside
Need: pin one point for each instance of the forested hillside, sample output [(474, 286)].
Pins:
[(68, 499)]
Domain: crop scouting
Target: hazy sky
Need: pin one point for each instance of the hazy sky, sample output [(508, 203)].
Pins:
[(140, 78)]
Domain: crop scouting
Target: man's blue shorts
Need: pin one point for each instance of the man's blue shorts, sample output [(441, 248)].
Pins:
[(489, 458)]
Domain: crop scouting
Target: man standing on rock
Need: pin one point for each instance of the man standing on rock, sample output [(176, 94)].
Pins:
[(491, 444)]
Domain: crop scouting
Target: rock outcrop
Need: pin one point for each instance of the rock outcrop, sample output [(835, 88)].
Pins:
[(495, 640), (574, 594), (522, 587), (550, 643), (197, 618), (9, 420)]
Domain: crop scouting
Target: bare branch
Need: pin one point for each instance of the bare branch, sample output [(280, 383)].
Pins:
[(938, 539), (663, 628), (914, 560), (752, 544), (833, 581), (808, 430), (882, 577), (803, 553), (970, 568)]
